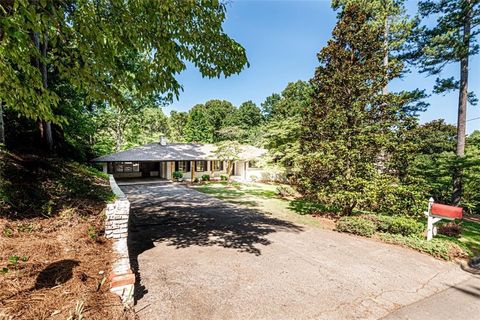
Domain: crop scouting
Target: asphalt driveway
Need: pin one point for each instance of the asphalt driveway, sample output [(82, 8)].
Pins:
[(197, 257)]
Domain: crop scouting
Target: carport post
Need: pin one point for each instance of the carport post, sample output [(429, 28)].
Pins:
[(192, 165)]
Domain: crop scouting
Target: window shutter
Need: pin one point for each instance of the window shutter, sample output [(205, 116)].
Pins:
[(176, 165), (188, 166), (221, 165)]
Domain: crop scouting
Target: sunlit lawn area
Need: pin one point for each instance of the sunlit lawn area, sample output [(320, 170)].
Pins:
[(470, 236), (264, 197)]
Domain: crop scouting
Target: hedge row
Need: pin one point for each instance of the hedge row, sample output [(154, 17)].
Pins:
[(367, 225)]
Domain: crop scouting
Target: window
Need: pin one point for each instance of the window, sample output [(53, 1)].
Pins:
[(119, 167), (200, 166), (183, 166), (217, 165), (253, 164), (136, 167), (127, 167)]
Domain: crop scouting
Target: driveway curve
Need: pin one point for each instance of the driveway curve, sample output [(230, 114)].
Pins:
[(197, 257)]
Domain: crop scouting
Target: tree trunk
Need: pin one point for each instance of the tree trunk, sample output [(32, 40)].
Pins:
[(462, 110), (47, 126), (229, 169), (2, 127)]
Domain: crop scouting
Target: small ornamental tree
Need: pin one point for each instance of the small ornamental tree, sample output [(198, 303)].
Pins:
[(228, 151)]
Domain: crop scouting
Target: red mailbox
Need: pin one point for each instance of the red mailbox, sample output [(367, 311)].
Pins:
[(444, 211)]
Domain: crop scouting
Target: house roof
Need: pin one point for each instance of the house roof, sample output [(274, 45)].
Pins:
[(176, 151)]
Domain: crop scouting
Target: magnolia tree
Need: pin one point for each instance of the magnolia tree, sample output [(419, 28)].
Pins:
[(228, 151)]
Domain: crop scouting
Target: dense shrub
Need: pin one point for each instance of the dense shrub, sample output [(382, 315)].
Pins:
[(177, 175), (393, 198), (399, 225), (285, 191), (356, 225), (223, 177), (450, 229), (437, 247), (196, 180), (206, 177)]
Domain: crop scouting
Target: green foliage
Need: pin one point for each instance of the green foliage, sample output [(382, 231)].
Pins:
[(351, 128), (146, 127), (198, 127), (249, 115), (62, 183), (228, 151), (92, 232), (281, 132), (205, 177), (176, 124), (223, 177), (25, 227), (219, 120), (7, 232), (433, 172), (445, 41), (120, 50), (399, 225), (356, 225), (285, 191), (439, 248), (13, 260), (177, 175)]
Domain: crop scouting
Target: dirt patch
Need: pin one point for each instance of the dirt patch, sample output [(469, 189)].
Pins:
[(54, 260)]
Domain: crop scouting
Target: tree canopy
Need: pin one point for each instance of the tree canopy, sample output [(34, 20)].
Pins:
[(112, 51)]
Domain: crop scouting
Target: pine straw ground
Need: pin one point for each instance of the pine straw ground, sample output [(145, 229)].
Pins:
[(53, 255)]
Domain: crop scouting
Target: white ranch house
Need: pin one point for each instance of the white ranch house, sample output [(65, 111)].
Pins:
[(192, 159)]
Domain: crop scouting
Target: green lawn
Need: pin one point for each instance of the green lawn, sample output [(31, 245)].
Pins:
[(471, 235), (469, 239), (263, 197)]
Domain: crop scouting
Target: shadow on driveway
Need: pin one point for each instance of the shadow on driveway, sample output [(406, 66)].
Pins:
[(183, 217)]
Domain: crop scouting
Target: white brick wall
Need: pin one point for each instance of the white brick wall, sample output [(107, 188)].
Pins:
[(116, 227)]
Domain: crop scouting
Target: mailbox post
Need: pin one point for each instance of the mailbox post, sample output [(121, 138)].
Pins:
[(437, 212)]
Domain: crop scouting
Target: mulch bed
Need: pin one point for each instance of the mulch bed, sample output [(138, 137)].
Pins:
[(55, 266)]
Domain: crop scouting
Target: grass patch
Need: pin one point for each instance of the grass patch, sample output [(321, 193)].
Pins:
[(235, 191), (470, 236), (302, 206), (262, 197)]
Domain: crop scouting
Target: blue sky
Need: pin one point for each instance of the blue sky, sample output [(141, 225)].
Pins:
[(282, 39)]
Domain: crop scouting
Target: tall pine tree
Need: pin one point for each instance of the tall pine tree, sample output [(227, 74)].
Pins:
[(451, 40)]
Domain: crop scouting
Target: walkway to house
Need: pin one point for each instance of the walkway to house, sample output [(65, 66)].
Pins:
[(198, 257)]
